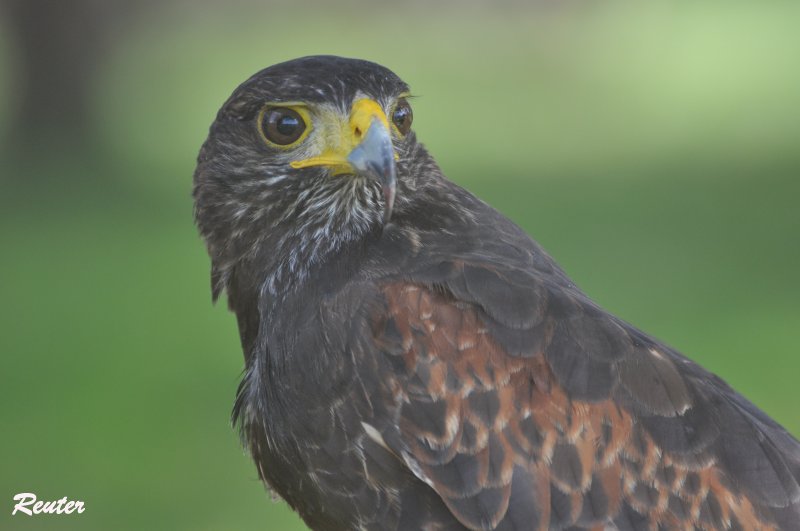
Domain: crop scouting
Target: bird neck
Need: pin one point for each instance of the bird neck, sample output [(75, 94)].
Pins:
[(294, 261)]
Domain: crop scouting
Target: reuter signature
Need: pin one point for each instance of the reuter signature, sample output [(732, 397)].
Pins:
[(62, 506)]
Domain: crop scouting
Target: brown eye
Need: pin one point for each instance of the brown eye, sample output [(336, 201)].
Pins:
[(402, 116), (282, 126)]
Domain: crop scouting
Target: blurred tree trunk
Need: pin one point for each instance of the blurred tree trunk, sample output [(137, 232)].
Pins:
[(58, 45)]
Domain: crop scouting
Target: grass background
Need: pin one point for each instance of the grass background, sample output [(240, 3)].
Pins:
[(653, 150)]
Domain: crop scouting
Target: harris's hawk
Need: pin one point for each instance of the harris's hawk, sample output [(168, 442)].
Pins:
[(414, 360)]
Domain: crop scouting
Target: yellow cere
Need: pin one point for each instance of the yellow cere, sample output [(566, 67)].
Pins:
[(337, 146), (362, 113)]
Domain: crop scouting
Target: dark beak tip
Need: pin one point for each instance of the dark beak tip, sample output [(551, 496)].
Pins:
[(388, 202)]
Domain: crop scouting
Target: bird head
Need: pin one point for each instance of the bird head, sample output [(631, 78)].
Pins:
[(305, 156)]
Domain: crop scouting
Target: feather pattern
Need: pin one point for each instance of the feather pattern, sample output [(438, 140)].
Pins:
[(441, 372)]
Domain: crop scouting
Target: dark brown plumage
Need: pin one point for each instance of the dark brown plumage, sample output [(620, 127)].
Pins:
[(415, 361)]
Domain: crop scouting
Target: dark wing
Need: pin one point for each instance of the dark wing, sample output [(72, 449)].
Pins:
[(524, 406)]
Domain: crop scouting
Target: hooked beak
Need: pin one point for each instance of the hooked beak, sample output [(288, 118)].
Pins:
[(374, 158), (363, 147)]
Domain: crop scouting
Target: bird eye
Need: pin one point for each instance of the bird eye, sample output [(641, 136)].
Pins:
[(402, 116), (282, 126)]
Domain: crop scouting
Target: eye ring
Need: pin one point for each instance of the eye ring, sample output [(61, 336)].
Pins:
[(283, 127), (402, 116)]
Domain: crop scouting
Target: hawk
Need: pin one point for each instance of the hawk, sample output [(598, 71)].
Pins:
[(414, 360)]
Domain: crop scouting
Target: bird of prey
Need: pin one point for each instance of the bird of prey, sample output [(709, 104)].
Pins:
[(414, 360)]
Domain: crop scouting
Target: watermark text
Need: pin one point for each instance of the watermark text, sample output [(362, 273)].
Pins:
[(29, 505)]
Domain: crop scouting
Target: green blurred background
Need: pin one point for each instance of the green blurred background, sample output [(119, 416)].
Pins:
[(653, 149)]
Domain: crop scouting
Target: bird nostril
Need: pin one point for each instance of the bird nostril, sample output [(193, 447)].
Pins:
[(358, 132)]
